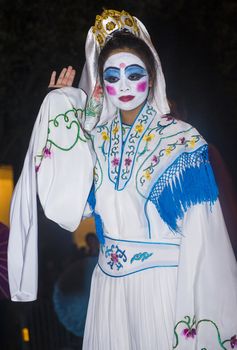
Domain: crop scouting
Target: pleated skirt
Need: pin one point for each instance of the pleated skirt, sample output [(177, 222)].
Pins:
[(134, 312)]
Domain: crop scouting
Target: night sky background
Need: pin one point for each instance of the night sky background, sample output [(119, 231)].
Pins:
[(196, 41)]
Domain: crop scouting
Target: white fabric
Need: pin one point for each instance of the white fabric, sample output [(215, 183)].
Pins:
[(119, 258), (207, 279), (138, 311), (131, 313), (62, 197)]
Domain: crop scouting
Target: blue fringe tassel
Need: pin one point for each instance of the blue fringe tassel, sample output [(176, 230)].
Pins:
[(196, 184), (98, 222)]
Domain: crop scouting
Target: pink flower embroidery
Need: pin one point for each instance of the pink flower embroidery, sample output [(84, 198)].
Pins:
[(47, 153), (154, 159), (189, 333), (115, 161), (233, 342), (37, 168), (127, 161), (97, 92), (168, 117), (114, 258)]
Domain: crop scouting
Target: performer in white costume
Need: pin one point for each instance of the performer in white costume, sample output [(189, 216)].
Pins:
[(166, 274)]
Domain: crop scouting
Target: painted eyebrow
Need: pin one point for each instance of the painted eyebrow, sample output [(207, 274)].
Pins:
[(135, 68), (113, 69), (111, 72)]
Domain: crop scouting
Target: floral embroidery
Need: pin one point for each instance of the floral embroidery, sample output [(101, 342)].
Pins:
[(127, 161), (115, 148), (156, 158), (115, 129), (141, 256), (37, 168), (147, 174), (158, 129), (104, 133), (116, 256), (94, 105), (192, 142), (168, 150), (98, 92), (125, 130), (168, 117), (121, 175), (233, 342), (139, 128), (191, 331), (115, 161), (68, 121), (105, 136), (148, 137), (166, 121), (47, 153)]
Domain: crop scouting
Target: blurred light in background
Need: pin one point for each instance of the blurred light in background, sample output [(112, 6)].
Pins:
[(87, 225), (6, 189)]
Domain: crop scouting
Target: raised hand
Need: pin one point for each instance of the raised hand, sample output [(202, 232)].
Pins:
[(66, 78)]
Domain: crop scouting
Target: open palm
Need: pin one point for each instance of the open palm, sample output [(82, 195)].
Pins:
[(66, 78)]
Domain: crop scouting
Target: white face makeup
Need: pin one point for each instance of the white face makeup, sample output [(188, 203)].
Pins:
[(126, 80)]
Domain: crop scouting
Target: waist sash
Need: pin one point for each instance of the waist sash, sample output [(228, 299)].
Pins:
[(120, 258)]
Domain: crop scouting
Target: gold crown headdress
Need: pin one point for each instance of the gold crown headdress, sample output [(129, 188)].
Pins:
[(110, 21)]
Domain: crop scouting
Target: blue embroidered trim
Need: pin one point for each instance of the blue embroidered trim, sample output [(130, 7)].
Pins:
[(131, 144), (141, 256), (115, 255), (115, 150), (131, 273), (122, 153), (143, 242), (98, 222), (188, 181)]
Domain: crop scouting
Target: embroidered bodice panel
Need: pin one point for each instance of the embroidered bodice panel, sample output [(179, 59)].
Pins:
[(130, 159)]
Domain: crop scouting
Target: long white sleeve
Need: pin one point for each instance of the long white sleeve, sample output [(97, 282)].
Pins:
[(59, 166), (206, 315)]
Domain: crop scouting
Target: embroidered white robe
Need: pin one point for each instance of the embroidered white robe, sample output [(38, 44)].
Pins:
[(138, 195)]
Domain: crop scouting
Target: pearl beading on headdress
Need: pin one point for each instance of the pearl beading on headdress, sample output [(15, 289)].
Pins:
[(110, 21)]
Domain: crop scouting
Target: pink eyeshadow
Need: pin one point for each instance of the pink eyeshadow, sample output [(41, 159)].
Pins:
[(111, 90), (141, 87)]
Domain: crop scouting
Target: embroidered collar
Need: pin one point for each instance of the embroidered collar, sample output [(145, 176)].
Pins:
[(122, 156)]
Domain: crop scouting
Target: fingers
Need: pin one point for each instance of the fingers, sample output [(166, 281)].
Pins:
[(52, 79), (61, 77), (66, 78), (71, 77)]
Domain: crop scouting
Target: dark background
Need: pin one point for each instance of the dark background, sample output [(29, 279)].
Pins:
[(197, 45), (196, 41)]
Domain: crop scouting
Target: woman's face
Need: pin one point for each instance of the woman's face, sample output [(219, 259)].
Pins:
[(126, 80)]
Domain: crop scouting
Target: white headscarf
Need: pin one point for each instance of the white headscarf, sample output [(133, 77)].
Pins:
[(99, 108)]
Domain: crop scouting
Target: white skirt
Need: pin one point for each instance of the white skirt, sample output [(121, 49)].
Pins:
[(135, 312)]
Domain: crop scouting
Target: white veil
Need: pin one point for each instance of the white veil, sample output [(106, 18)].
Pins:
[(99, 109)]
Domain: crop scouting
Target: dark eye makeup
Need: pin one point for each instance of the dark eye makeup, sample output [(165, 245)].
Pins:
[(133, 72), (135, 76), (111, 74)]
